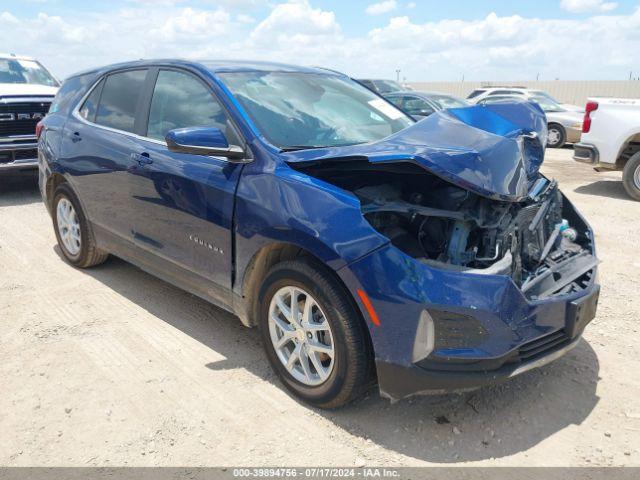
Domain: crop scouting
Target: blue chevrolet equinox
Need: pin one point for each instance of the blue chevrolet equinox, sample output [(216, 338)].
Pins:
[(426, 256)]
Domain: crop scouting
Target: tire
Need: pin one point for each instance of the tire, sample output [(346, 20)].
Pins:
[(82, 253), (631, 176), (351, 366), (556, 136)]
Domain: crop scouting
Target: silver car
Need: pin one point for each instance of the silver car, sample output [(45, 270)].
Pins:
[(565, 126)]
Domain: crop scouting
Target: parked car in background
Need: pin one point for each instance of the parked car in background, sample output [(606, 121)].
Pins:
[(480, 93), (430, 254), (611, 139), (422, 104), (26, 92), (381, 87), (564, 126)]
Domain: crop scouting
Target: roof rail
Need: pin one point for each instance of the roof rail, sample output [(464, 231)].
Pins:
[(329, 70)]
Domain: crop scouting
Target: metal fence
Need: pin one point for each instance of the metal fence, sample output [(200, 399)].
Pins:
[(565, 91)]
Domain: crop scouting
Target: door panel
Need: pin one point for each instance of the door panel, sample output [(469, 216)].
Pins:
[(98, 162), (96, 149), (184, 203), (183, 206)]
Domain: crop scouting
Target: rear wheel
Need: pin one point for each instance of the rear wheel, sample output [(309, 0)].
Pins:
[(72, 230), (631, 176), (313, 335), (556, 136)]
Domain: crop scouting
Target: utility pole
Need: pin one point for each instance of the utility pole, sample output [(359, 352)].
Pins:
[(537, 76), (398, 75)]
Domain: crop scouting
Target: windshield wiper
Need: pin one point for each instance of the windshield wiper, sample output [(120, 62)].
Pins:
[(293, 148)]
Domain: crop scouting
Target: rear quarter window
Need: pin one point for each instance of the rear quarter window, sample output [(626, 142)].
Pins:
[(69, 92), (90, 105)]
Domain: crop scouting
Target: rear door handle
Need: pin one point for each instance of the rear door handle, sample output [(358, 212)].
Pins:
[(76, 137), (141, 158)]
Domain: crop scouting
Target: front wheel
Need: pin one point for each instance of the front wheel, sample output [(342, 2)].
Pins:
[(631, 176), (313, 335)]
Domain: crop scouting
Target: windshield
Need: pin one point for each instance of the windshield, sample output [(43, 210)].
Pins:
[(547, 104), (388, 86), (24, 71), (540, 93), (446, 101), (308, 110)]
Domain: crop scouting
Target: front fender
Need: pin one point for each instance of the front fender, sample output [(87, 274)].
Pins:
[(286, 206)]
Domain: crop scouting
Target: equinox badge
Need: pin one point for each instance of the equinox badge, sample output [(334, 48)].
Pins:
[(210, 246)]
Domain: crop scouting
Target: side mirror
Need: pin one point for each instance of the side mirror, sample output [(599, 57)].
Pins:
[(203, 141)]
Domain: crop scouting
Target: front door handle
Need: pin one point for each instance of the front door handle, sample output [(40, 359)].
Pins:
[(142, 158), (76, 137)]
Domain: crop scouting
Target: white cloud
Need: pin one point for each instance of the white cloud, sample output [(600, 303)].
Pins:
[(490, 48), (290, 24), (193, 25), (379, 8), (8, 18), (244, 18), (581, 6)]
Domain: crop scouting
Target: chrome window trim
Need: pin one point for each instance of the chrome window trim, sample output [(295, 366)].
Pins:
[(76, 114)]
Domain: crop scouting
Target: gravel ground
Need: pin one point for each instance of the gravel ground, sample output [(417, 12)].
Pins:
[(111, 366)]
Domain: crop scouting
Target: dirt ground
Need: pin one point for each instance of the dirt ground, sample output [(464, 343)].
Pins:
[(111, 366)]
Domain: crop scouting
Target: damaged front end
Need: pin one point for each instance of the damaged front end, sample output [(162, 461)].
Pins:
[(481, 207), (540, 241), (486, 269)]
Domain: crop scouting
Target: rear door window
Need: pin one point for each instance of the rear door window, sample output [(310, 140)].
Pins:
[(119, 100), (181, 100)]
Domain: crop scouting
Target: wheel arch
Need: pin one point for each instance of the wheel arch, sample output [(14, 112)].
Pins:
[(54, 180), (559, 125), (627, 149), (262, 261)]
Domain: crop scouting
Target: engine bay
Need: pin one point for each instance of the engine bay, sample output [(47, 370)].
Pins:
[(541, 242)]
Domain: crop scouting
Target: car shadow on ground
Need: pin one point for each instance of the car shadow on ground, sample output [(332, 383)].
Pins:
[(605, 188), (19, 190), (495, 421)]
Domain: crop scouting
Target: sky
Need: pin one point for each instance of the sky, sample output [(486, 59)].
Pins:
[(426, 40)]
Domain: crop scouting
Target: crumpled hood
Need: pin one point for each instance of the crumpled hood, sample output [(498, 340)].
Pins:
[(493, 150), (30, 89)]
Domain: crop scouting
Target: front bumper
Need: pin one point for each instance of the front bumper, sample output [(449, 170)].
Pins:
[(443, 330), (17, 157), (400, 382)]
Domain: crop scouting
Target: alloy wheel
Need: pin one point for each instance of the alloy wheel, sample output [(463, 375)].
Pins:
[(68, 226), (301, 335)]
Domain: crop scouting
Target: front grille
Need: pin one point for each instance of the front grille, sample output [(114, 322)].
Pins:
[(535, 348), (13, 127), (9, 156)]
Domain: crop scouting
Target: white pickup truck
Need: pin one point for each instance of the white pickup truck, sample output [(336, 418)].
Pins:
[(26, 92), (611, 139)]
